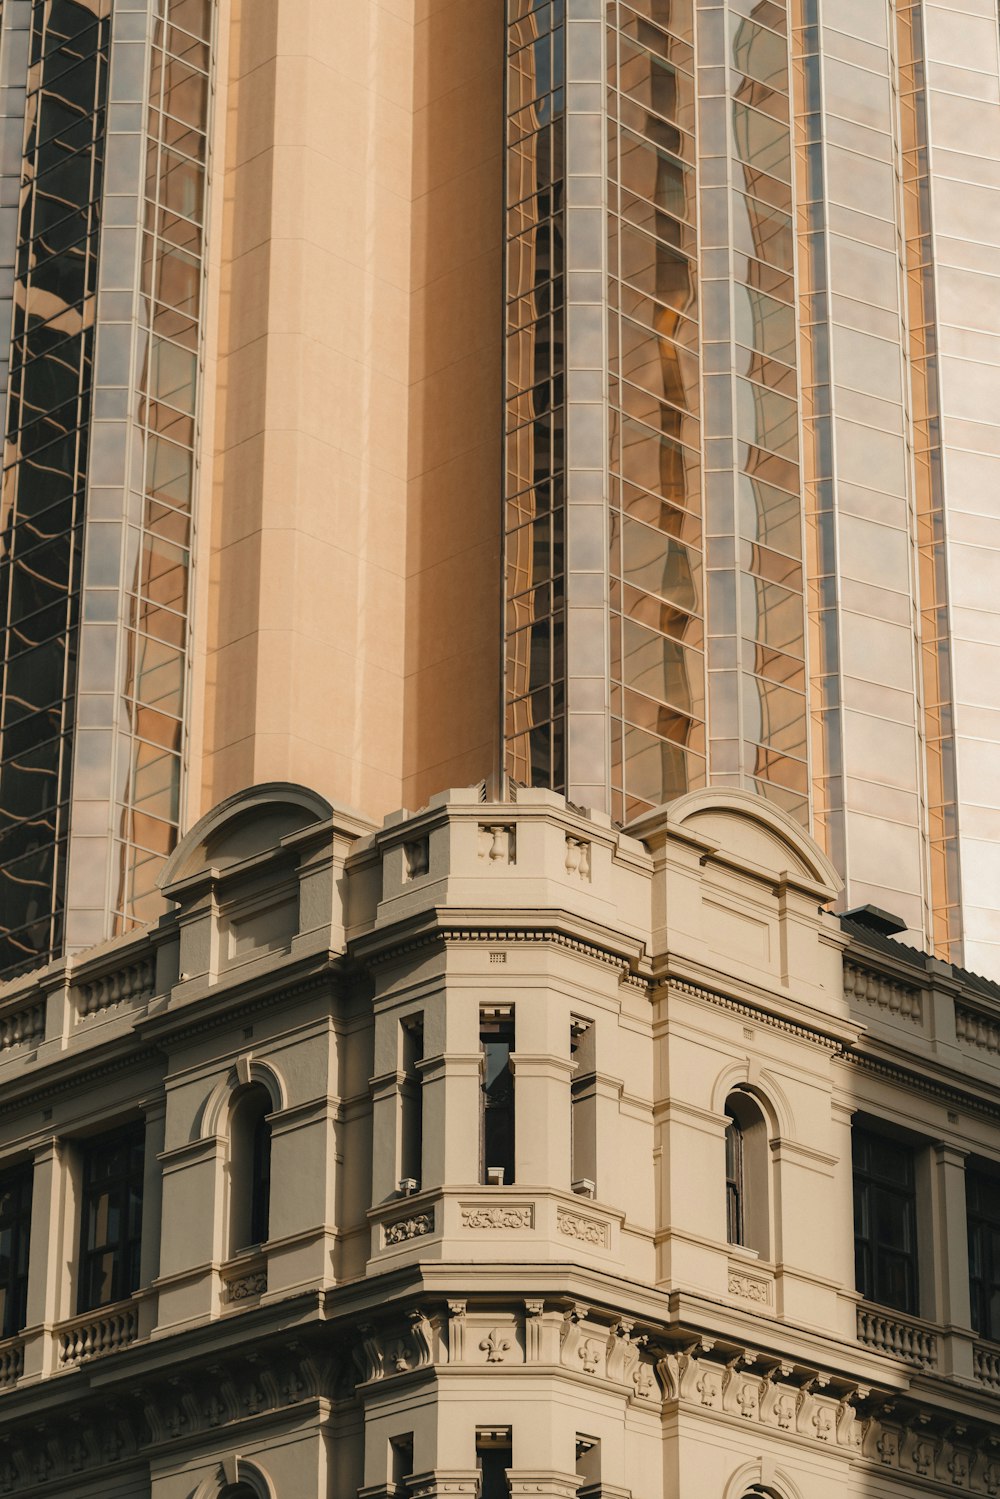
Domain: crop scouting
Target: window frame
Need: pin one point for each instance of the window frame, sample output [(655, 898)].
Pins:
[(983, 1224), (17, 1182), (126, 1248), (872, 1249), (497, 1114), (735, 1181)]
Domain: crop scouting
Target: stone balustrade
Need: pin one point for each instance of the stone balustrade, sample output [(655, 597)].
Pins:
[(24, 1026), (11, 1362), (104, 1331), (899, 1337), (986, 1364), (978, 1029), (134, 982), (862, 986)]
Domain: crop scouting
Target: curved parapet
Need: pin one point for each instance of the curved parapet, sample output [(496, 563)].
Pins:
[(246, 823)]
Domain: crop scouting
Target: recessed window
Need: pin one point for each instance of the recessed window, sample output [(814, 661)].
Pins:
[(885, 1221), (983, 1203), (111, 1226), (250, 1168), (734, 1180), (15, 1230), (747, 1174), (496, 1038)]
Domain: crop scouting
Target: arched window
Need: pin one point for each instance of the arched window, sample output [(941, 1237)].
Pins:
[(239, 1491), (734, 1179), (249, 1168), (747, 1169)]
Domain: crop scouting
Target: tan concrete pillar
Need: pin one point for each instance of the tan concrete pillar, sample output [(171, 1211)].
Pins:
[(451, 1093), (154, 1111), (950, 1257), (48, 1251), (542, 1118)]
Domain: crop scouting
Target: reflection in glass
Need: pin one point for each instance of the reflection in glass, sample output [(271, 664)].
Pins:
[(45, 465)]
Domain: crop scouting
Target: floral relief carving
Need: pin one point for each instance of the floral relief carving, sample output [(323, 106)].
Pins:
[(589, 1354), (243, 1287), (495, 1345), (750, 1288), (408, 1228), (498, 1217), (587, 1230)]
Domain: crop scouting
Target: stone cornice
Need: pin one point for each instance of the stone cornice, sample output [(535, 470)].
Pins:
[(549, 926), (909, 1077), (834, 1038)]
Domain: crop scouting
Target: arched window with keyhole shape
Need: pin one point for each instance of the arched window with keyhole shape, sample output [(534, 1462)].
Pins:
[(747, 1171), (249, 1169)]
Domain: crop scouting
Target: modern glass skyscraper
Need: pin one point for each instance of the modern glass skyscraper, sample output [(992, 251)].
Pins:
[(695, 301)]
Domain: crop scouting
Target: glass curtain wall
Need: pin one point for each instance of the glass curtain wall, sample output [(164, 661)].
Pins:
[(165, 412), (935, 627), (656, 532), (754, 524), (99, 468), (46, 461), (819, 477), (535, 669)]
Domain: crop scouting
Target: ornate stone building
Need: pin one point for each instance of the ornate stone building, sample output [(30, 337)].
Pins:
[(500, 1151)]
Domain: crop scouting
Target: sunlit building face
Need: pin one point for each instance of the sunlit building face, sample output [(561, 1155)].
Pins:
[(743, 459)]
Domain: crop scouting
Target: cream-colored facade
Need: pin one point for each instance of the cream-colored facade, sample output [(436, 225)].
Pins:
[(408, 1325)]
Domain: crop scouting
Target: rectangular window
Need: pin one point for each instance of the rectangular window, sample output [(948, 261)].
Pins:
[(496, 1038), (111, 1218), (885, 1222), (411, 1113), (583, 1108), (494, 1456), (983, 1204), (15, 1229)]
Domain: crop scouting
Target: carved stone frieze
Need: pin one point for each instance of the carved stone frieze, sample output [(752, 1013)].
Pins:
[(588, 1230), (755, 1288), (403, 1229), (499, 1216)]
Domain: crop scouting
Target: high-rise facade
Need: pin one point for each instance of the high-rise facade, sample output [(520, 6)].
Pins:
[(595, 397), (498, 648)]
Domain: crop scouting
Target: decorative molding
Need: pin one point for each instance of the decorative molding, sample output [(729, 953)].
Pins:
[(588, 1230), (970, 1102), (480, 1216), (246, 1282), (495, 1346), (498, 936), (756, 1288), (751, 1012), (865, 986), (403, 1229)]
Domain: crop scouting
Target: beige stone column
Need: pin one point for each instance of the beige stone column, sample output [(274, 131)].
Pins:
[(542, 1119), (530, 1483), (155, 1112), (48, 1278), (840, 1219), (950, 1257), (384, 1091), (301, 1235), (451, 1093)]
